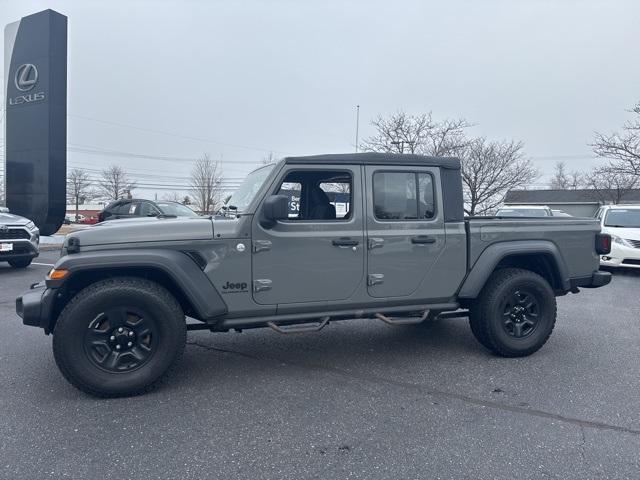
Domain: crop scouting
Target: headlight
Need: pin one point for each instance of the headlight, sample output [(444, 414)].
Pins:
[(620, 241), (31, 226)]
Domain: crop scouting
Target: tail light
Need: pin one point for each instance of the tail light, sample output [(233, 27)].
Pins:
[(603, 243)]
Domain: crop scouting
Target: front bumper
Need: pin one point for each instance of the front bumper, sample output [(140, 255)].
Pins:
[(596, 280), (35, 307), (21, 249), (621, 256)]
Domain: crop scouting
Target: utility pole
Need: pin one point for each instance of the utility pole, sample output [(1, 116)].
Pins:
[(357, 125)]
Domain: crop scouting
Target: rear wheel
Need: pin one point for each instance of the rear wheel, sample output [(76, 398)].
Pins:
[(119, 337), (20, 262), (515, 313)]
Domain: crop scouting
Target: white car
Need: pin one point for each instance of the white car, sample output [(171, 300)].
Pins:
[(622, 222)]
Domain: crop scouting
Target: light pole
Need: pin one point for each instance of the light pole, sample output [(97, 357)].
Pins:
[(357, 125)]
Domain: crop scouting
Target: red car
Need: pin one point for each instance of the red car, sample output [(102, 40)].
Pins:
[(89, 220)]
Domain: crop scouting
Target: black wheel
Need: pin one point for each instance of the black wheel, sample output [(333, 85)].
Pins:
[(119, 337), (514, 314), (20, 262)]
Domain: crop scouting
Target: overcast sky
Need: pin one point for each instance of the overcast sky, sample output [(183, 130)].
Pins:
[(239, 79)]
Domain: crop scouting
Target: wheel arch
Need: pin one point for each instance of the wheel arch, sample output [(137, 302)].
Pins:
[(176, 271), (541, 257)]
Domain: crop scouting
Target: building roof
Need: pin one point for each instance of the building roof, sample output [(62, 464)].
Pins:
[(549, 197), (372, 158)]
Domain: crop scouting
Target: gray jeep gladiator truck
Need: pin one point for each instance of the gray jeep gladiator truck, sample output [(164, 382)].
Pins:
[(301, 243)]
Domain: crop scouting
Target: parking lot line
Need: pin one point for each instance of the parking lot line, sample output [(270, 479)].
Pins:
[(43, 264)]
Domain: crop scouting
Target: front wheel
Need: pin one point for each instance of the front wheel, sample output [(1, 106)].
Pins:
[(515, 313), (119, 337)]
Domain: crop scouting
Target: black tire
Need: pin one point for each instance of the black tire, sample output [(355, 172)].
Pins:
[(514, 314), (20, 262), (83, 339)]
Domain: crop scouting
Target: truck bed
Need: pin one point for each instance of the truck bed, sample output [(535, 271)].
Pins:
[(573, 237)]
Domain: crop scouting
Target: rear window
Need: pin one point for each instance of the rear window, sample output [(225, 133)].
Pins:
[(403, 196)]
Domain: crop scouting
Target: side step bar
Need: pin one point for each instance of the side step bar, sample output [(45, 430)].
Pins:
[(401, 320), (300, 328)]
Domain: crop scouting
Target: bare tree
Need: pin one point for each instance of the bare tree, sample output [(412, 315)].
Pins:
[(171, 197), (564, 180), (79, 188), (419, 134), (610, 184), (115, 184), (206, 183), (490, 170), (622, 148)]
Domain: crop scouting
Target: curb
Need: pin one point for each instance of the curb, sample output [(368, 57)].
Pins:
[(49, 247)]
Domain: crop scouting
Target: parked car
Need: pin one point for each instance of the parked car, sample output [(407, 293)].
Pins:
[(560, 213), (143, 208), (401, 253), (622, 222), (524, 211), (19, 240), (90, 220)]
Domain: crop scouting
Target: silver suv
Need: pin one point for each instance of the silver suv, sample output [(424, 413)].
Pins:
[(19, 239)]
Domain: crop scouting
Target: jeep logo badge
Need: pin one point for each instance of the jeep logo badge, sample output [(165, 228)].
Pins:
[(237, 287), (26, 77)]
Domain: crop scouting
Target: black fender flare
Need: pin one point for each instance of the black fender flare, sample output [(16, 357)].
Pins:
[(494, 254), (176, 265)]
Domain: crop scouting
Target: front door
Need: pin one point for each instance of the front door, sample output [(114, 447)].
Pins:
[(317, 254), (405, 229)]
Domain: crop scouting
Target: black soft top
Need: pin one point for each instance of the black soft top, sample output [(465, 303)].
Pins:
[(370, 158)]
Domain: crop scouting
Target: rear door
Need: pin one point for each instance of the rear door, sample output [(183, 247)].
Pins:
[(405, 228)]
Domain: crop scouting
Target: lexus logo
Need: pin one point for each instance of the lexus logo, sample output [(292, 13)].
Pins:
[(26, 77)]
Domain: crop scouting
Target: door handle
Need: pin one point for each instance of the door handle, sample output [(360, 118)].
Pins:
[(422, 240), (345, 242)]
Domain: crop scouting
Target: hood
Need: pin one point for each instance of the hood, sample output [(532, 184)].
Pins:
[(628, 233), (146, 229), (11, 219)]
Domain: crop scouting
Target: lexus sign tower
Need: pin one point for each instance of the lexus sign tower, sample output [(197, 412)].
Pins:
[(35, 85)]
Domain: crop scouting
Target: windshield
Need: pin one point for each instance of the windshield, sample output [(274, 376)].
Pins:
[(249, 187), (623, 218), (522, 212), (176, 209)]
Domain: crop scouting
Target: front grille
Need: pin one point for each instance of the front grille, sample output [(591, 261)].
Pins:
[(630, 261), (14, 234), (635, 243)]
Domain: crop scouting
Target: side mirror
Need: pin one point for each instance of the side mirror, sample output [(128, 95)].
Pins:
[(275, 207)]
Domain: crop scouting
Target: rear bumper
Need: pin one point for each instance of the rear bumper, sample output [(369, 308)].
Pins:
[(597, 279), (35, 307)]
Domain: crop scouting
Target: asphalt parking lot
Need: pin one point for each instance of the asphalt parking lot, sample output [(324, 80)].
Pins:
[(358, 400)]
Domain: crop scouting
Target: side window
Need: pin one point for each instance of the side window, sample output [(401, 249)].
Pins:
[(403, 196), (121, 209), (318, 194), (145, 209)]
